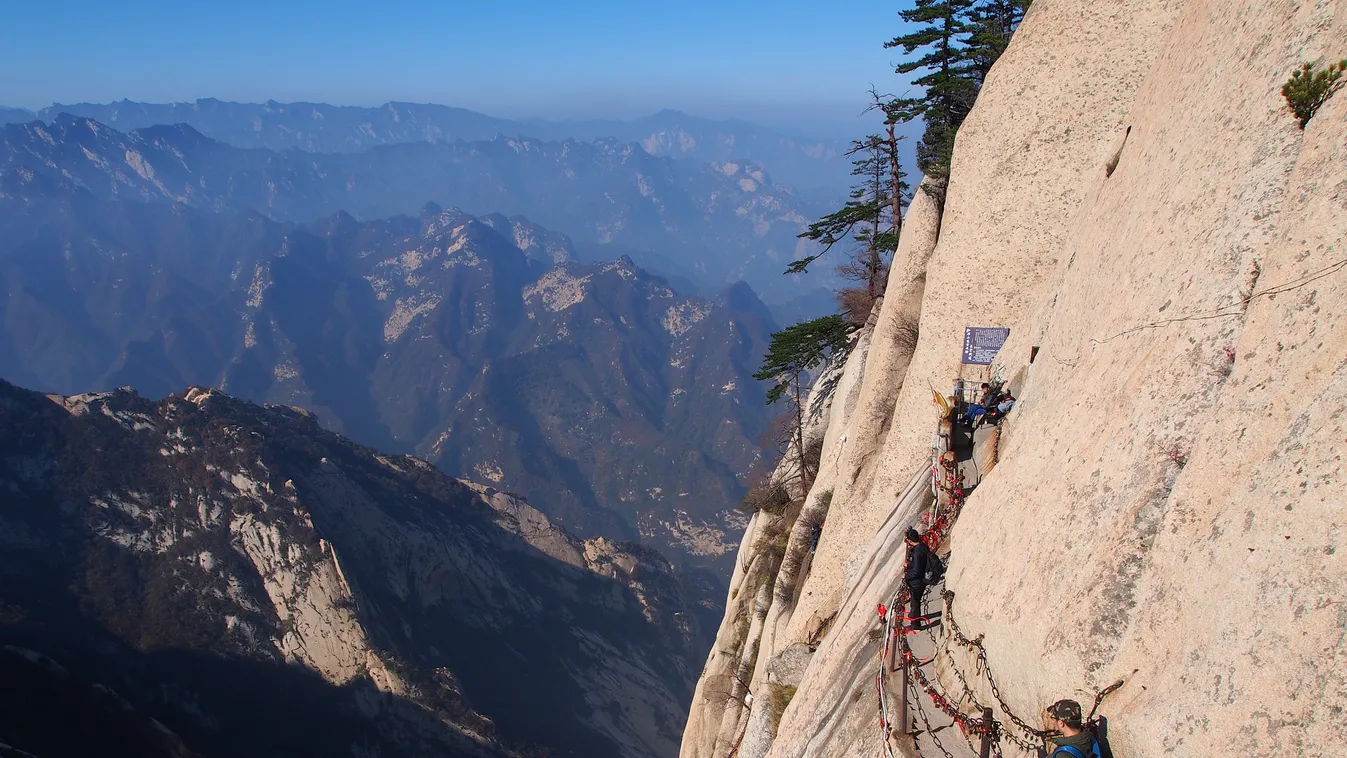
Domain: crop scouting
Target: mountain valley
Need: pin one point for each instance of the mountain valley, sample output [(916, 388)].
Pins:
[(256, 335), (615, 405), (710, 223), (1011, 426)]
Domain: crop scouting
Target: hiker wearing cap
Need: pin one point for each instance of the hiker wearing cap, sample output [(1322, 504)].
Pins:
[(918, 565), (1074, 742)]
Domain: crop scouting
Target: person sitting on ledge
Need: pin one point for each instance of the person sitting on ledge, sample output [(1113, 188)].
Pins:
[(1074, 742), (998, 412), (980, 407)]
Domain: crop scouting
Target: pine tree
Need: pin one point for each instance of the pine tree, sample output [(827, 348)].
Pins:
[(950, 82), (897, 177), (870, 220), (792, 354), (959, 41), (991, 23), (876, 237)]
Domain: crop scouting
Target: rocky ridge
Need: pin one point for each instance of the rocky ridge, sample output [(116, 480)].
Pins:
[(323, 128), (712, 223), (1166, 506), (616, 405), (254, 584)]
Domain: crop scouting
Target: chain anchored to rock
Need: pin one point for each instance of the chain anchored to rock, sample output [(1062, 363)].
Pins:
[(1033, 739)]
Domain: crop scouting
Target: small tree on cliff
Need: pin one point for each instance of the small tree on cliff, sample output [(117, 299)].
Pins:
[(868, 220), (793, 353)]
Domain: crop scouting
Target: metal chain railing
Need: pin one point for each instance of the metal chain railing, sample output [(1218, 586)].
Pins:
[(935, 533), (1035, 739), (938, 521), (1032, 740), (968, 694), (984, 668), (921, 713)]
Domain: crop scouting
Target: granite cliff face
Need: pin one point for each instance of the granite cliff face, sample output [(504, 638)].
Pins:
[(244, 582), (1166, 504)]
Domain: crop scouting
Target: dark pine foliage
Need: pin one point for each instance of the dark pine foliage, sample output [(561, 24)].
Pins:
[(869, 220), (794, 353), (798, 349), (958, 42)]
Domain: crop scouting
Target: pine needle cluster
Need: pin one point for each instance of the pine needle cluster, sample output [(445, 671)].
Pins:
[(1308, 89)]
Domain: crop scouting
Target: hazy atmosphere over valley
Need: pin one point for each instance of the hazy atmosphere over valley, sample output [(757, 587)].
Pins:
[(711, 380)]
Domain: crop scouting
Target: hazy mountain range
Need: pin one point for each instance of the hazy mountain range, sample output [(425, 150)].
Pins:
[(176, 556), (707, 223), (321, 128), (616, 405)]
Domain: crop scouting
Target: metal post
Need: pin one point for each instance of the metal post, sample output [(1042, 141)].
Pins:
[(987, 734), (893, 649), (902, 702)]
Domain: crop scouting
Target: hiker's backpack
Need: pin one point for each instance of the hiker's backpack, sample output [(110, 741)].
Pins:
[(1098, 729), (935, 568)]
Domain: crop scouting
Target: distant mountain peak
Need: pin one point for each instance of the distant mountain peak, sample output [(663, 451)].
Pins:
[(708, 222), (741, 297), (340, 222), (181, 132)]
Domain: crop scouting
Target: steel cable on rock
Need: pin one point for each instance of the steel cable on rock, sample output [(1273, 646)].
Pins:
[(1236, 308), (885, 721)]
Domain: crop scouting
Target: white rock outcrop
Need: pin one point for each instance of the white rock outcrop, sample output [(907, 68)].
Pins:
[(1131, 197)]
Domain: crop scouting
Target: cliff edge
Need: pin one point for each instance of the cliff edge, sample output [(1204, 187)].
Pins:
[(1132, 199)]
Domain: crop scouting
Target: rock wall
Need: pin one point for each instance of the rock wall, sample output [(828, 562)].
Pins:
[(1130, 196)]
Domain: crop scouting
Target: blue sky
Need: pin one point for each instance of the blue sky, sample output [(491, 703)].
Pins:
[(775, 62)]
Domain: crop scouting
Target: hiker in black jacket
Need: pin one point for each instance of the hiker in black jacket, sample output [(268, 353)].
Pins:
[(1075, 741), (918, 563)]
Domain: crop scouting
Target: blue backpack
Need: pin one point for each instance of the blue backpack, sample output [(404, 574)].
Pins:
[(1075, 751)]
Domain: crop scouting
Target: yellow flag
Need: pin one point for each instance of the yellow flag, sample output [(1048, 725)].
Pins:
[(940, 401)]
